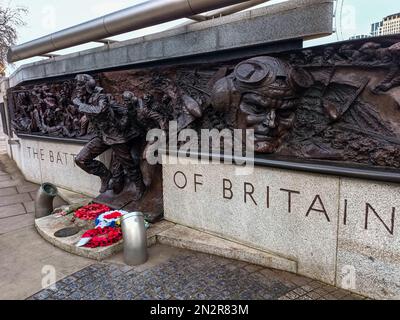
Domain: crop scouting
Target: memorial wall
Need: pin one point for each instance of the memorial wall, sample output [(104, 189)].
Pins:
[(335, 104), (324, 190)]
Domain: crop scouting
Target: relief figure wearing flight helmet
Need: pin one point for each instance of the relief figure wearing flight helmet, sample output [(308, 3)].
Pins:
[(262, 94)]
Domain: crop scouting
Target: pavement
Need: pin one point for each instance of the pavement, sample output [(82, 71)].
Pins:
[(175, 274), (27, 262)]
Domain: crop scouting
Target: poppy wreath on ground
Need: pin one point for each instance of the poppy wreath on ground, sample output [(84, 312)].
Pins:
[(91, 212), (113, 215), (103, 237)]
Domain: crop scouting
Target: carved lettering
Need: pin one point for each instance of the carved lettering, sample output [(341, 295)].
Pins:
[(182, 185), (66, 158), (290, 192), (35, 154), (228, 189), (59, 158), (73, 158), (51, 156), (249, 191), (370, 208), (321, 208), (196, 182)]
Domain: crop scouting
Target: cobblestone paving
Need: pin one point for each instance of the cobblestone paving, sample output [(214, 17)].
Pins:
[(189, 276)]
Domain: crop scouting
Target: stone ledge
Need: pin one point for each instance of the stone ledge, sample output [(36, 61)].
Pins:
[(186, 238), (47, 226), (165, 233), (73, 197), (258, 27)]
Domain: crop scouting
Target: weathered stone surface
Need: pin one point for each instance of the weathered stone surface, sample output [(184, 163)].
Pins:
[(350, 234), (47, 226), (24, 258), (186, 238), (255, 27), (44, 161), (30, 165), (8, 184), (369, 239), (17, 198), (12, 224), (8, 192), (303, 229), (5, 178), (175, 274), (27, 187), (29, 206), (74, 198), (12, 210)]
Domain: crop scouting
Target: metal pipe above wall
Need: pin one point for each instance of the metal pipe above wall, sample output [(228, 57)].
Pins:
[(226, 11), (140, 16)]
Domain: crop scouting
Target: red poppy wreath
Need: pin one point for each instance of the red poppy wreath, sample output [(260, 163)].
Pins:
[(91, 212), (103, 237)]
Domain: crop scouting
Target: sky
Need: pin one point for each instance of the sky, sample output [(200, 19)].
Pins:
[(48, 16)]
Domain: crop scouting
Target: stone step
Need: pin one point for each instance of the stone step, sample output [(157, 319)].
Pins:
[(186, 238), (47, 227)]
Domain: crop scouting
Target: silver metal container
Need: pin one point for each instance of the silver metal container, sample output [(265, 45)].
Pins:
[(44, 200), (135, 239)]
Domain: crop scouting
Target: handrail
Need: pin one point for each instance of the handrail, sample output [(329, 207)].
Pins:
[(140, 16)]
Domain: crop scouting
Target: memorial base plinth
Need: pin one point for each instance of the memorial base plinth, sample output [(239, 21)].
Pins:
[(338, 230), (48, 226)]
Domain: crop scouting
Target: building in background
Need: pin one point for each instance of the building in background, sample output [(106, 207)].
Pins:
[(360, 36), (389, 25)]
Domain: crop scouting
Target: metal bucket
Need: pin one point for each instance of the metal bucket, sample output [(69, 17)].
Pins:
[(44, 200), (135, 239)]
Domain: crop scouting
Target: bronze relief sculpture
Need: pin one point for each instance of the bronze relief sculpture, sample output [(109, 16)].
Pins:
[(115, 127), (264, 92), (337, 103)]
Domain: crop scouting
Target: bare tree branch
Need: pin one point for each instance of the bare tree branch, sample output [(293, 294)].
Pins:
[(10, 20)]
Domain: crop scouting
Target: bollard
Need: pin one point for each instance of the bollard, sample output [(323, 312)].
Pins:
[(44, 200), (135, 239)]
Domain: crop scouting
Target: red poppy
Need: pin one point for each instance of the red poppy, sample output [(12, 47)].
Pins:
[(113, 215), (103, 237), (91, 212)]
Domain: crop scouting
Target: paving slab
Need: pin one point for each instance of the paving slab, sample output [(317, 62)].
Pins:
[(11, 211), (24, 254), (18, 198), (27, 187), (8, 192), (9, 183), (5, 178), (12, 224)]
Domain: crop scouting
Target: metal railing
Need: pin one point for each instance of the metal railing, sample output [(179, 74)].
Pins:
[(140, 16)]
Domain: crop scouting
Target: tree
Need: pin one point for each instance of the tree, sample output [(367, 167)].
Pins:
[(10, 20)]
